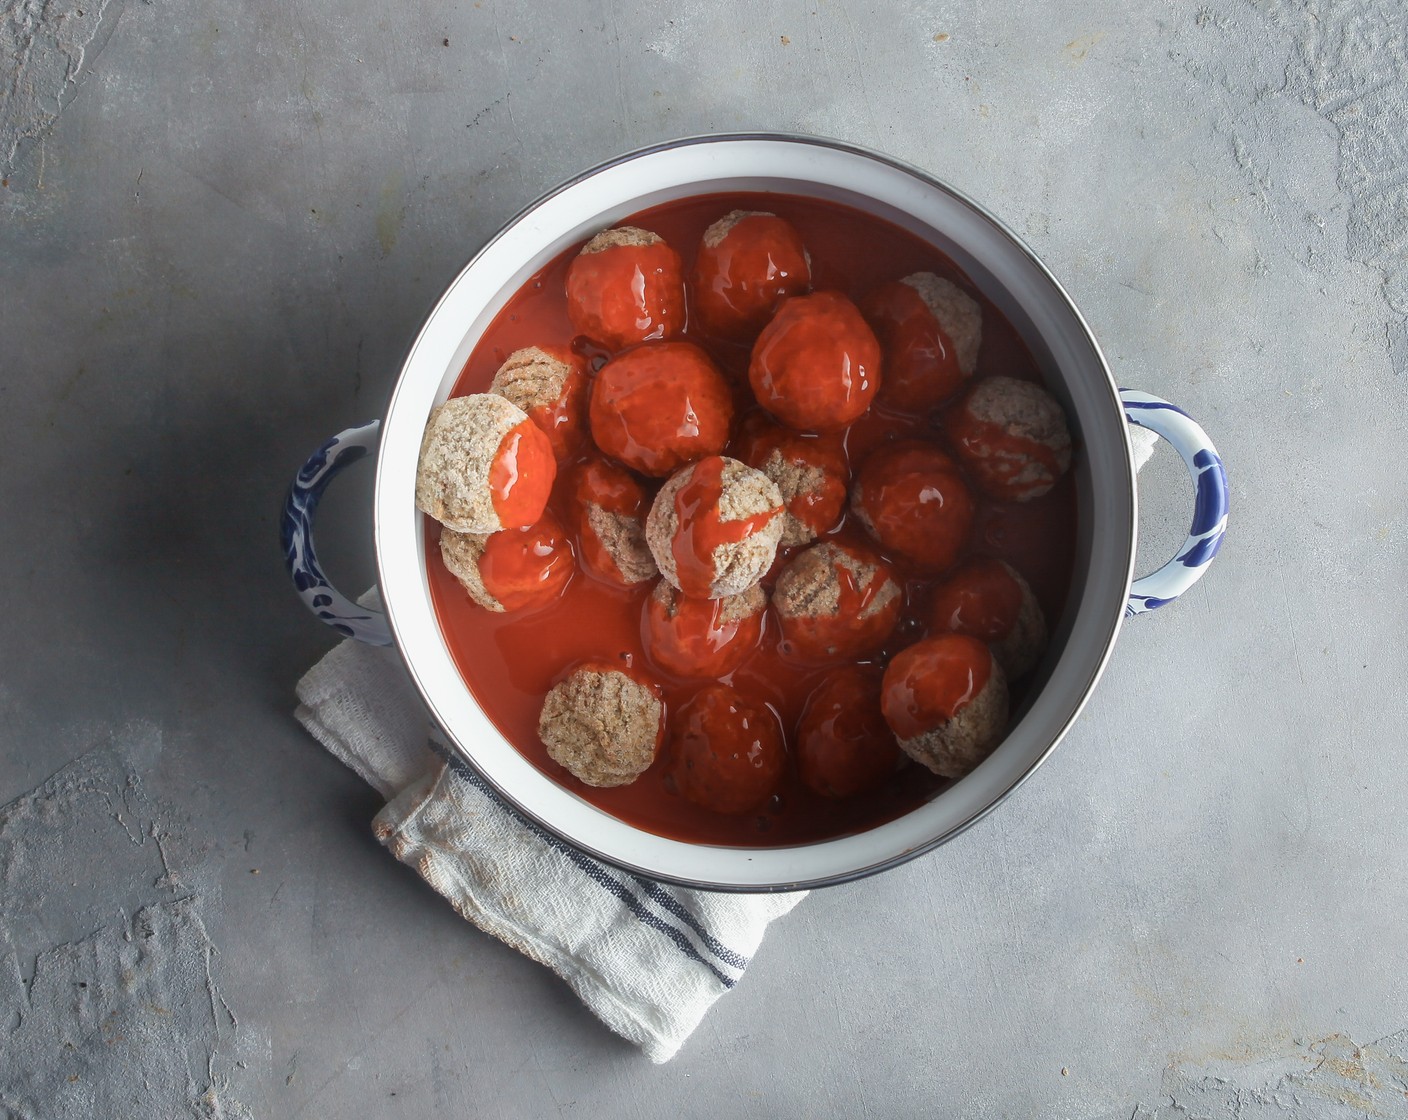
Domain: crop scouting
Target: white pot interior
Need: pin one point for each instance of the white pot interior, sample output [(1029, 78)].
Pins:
[(995, 261)]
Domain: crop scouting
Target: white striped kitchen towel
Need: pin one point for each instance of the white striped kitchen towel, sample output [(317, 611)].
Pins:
[(648, 959)]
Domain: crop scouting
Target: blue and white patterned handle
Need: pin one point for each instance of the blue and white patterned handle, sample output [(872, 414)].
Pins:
[(1209, 504), (296, 530)]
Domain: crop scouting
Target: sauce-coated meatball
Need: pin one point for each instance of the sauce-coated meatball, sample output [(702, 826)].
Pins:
[(706, 638), (726, 752), (945, 698), (659, 406), (911, 498), (844, 745), (816, 366), (626, 286), (1012, 437), (748, 262), (989, 600), (484, 466)]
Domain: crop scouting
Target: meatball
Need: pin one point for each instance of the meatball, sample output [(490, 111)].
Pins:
[(603, 725), (549, 383), (844, 745), (945, 698), (1012, 437), (911, 498), (626, 286), (749, 261), (514, 569), (989, 600), (484, 466), (929, 330), (810, 472), (816, 366), (836, 600), (610, 506), (660, 406), (726, 753), (713, 528), (701, 637)]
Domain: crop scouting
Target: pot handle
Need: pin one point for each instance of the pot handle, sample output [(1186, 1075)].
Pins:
[(296, 532), (1209, 504)]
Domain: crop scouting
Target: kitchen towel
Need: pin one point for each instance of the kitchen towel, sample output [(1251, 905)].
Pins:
[(648, 959)]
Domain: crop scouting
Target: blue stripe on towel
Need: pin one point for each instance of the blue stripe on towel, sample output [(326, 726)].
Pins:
[(599, 873), (672, 904)]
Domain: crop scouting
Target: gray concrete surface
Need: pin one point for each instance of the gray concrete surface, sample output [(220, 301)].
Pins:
[(220, 226)]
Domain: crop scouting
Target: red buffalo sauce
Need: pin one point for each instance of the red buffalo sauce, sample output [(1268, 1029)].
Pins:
[(701, 528), (920, 364), (703, 638), (851, 631), (981, 599), (930, 682), (510, 661), (527, 567), (522, 461)]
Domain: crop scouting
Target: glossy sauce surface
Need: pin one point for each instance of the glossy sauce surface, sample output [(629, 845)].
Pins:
[(739, 281), (510, 661), (524, 568), (520, 475), (915, 497), (932, 681), (816, 365), (702, 638), (920, 364), (659, 406), (626, 294), (981, 599), (701, 528)]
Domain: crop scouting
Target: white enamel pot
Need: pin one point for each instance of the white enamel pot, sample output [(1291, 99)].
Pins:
[(996, 261)]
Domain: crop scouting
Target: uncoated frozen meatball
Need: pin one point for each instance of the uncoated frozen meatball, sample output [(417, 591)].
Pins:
[(604, 726), (1012, 437), (945, 698), (836, 600), (484, 466), (713, 528), (989, 600), (549, 383)]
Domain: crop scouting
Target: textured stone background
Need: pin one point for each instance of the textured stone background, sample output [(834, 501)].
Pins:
[(220, 226)]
